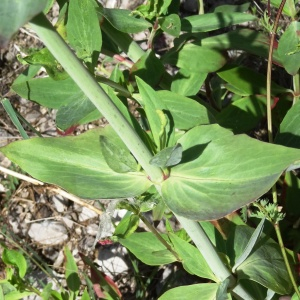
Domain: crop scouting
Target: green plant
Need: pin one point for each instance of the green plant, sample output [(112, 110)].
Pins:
[(187, 155), (17, 286)]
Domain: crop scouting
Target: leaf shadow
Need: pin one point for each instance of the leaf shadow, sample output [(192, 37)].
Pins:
[(193, 152)]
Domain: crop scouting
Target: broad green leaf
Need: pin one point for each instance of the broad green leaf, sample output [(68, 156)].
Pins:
[(248, 40), (27, 74), (289, 48), (170, 24), (218, 172), (265, 264), (46, 59), (116, 153), (187, 83), (80, 111), (205, 59), (232, 8), (147, 248), (250, 245), (149, 68), (206, 291), (123, 20), (289, 131), (49, 92), (73, 280), (76, 164), (192, 260), (248, 80), (14, 14), (152, 103), (14, 295), (167, 157), (83, 30), (243, 114), (185, 112), (15, 258), (213, 21), (292, 194), (289, 8)]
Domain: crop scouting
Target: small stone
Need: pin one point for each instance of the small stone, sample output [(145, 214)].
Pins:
[(87, 214), (48, 233)]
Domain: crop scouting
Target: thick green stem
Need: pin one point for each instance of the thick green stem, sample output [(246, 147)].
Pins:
[(208, 251), (95, 93)]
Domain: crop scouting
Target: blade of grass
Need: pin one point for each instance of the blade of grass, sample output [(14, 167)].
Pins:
[(12, 114)]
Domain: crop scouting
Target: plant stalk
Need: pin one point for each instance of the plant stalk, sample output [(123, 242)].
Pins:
[(208, 251)]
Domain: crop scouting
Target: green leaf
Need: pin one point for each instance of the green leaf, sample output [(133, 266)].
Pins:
[(46, 59), (170, 24), (213, 59), (213, 21), (14, 14), (149, 68), (73, 280), (49, 92), (244, 114), (192, 260), (289, 131), (127, 226), (289, 48), (167, 157), (14, 295), (292, 194), (185, 112), (218, 172), (123, 20), (248, 81), (15, 258), (248, 40), (80, 111), (116, 153), (250, 245), (147, 248), (187, 83), (206, 290), (265, 264), (76, 164), (83, 30), (85, 295), (152, 103), (289, 8), (232, 8)]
